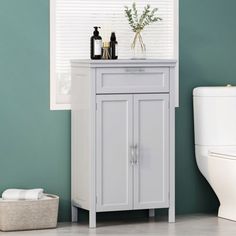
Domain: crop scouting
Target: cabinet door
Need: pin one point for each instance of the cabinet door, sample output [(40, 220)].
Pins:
[(114, 138), (151, 138)]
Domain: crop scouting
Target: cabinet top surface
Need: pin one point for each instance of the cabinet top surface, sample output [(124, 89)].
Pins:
[(123, 62)]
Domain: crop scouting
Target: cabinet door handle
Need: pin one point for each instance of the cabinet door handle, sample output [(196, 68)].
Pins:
[(132, 155), (136, 154)]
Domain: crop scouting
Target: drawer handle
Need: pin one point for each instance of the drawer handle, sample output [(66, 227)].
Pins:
[(135, 70)]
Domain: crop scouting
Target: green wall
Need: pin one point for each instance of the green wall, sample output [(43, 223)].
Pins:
[(35, 142), (207, 58)]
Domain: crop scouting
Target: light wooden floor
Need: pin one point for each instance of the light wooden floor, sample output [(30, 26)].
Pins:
[(195, 225)]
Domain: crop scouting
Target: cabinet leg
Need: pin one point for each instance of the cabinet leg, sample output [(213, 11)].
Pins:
[(151, 213), (74, 214), (171, 214), (92, 219)]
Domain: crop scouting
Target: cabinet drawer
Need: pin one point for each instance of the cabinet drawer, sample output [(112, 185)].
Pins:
[(132, 80)]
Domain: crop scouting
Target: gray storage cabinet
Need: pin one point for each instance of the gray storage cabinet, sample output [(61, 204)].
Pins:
[(123, 115)]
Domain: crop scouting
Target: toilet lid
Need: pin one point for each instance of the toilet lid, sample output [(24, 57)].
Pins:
[(223, 153)]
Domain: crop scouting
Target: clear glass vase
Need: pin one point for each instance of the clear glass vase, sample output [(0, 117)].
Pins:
[(138, 47)]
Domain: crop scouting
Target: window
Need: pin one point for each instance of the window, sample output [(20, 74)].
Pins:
[(72, 24)]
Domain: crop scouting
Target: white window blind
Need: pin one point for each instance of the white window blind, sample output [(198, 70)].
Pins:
[(73, 27)]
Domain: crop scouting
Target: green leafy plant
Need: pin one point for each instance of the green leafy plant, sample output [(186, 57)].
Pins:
[(138, 23)]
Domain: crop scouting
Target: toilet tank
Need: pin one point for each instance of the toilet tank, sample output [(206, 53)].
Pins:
[(215, 116)]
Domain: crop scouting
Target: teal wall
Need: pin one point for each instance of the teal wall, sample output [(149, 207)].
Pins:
[(207, 57), (35, 142)]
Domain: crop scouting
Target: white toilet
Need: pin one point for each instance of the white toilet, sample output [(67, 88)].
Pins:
[(215, 143)]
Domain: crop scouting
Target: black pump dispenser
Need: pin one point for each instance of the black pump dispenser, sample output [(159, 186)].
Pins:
[(114, 46), (96, 32), (96, 45)]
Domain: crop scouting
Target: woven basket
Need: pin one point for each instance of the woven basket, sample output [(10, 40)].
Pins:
[(29, 214)]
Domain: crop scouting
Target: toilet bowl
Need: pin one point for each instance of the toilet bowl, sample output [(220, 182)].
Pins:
[(222, 178), (215, 143)]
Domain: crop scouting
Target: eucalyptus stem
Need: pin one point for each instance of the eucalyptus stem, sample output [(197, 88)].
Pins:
[(142, 43), (147, 17), (138, 23), (135, 39), (138, 37)]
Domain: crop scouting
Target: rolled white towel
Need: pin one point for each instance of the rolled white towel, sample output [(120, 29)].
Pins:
[(22, 194)]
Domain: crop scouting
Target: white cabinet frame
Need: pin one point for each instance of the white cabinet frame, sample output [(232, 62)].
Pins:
[(86, 117)]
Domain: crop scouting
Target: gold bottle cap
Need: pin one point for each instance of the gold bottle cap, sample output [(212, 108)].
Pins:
[(106, 44)]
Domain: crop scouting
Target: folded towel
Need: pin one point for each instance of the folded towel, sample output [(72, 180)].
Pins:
[(22, 194)]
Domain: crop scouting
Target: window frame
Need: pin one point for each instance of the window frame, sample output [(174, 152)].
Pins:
[(62, 102)]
